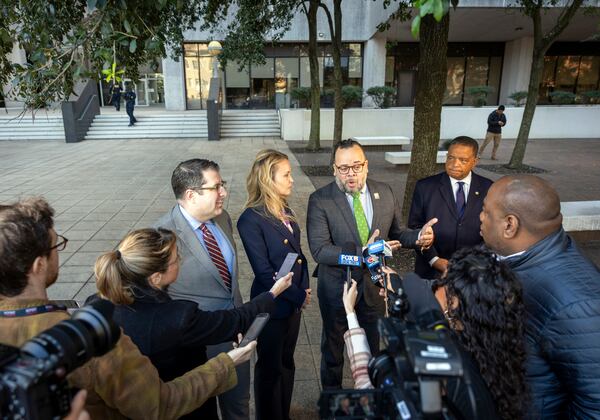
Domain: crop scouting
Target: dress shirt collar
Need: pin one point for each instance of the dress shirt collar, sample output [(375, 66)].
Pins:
[(466, 180), (363, 191), (502, 258), (195, 224)]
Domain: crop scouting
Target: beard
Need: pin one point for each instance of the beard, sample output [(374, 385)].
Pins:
[(360, 183)]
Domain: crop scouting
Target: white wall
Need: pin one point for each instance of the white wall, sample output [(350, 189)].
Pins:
[(516, 67), (567, 121), (174, 84), (373, 69)]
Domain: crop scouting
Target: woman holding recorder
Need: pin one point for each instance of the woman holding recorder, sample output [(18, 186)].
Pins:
[(269, 231), (172, 333)]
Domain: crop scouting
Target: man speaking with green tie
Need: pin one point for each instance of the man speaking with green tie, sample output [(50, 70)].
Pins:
[(352, 209)]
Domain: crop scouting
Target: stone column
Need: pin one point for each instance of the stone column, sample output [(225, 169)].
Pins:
[(174, 84), (374, 53), (516, 68), (17, 56)]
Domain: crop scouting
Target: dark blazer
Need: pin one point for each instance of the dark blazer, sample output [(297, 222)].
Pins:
[(267, 242), (174, 333), (433, 197), (331, 224)]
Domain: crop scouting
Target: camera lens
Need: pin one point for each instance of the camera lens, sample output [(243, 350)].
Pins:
[(89, 333)]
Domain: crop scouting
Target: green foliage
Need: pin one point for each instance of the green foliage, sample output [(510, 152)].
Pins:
[(562, 98), (519, 97), (302, 95), (591, 97), (67, 40), (382, 96), (351, 95), (436, 8), (479, 94)]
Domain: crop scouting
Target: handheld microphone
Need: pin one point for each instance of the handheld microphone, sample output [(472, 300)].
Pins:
[(348, 259), (373, 263), (380, 248), (424, 307)]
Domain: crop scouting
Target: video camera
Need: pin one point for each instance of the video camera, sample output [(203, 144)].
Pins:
[(419, 358), (33, 381)]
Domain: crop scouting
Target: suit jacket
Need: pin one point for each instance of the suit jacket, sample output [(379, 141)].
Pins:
[(267, 242), (198, 279), (433, 197), (331, 224)]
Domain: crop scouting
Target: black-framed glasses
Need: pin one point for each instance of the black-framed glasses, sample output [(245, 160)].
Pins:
[(356, 168), (61, 243), (221, 186)]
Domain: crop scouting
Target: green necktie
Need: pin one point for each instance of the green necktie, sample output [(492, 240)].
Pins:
[(361, 219)]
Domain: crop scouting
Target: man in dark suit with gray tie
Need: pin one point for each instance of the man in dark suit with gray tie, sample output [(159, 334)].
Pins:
[(455, 197), (208, 270), (350, 210)]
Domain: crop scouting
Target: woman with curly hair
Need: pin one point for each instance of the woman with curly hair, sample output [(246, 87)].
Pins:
[(483, 302)]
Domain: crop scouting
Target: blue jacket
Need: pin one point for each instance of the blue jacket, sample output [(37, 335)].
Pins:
[(493, 119), (561, 291), (267, 242)]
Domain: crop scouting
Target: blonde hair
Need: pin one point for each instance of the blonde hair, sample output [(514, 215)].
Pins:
[(260, 184), (140, 254)]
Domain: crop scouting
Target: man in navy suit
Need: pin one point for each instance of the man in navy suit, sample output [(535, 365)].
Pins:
[(455, 198)]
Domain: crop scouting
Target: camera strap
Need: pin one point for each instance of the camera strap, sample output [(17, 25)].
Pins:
[(35, 310)]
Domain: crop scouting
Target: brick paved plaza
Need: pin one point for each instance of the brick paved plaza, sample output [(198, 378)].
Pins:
[(102, 189)]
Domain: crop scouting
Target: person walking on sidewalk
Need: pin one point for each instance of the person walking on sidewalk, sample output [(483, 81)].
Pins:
[(496, 120), (130, 105), (115, 98)]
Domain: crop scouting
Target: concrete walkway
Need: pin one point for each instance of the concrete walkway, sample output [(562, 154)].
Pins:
[(102, 189)]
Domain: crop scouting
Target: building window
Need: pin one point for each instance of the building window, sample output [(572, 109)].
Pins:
[(469, 65), (198, 71), (572, 67)]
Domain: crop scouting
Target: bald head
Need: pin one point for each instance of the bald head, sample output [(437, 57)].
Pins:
[(532, 200)]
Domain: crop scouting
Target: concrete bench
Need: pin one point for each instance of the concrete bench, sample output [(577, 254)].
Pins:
[(581, 216), (387, 142), (403, 158)]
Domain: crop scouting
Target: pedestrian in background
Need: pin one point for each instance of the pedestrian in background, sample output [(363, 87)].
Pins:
[(496, 120), (130, 105), (115, 98)]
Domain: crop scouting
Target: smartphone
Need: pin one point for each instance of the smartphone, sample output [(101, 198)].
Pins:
[(287, 265), (254, 331)]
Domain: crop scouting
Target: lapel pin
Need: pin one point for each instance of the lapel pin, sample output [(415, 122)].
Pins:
[(376, 196), (476, 192)]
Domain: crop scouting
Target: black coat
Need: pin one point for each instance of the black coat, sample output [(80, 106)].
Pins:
[(561, 292), (174, 333), (433, 197)]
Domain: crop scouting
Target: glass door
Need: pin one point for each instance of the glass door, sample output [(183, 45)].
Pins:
[(156, 90)]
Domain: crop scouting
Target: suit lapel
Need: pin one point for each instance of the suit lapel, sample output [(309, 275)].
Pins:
[(340, 200), (189, 238), (293, 238), (377, 205), (447, 194), (474, 199)]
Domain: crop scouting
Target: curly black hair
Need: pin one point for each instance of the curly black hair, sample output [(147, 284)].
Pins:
[(489, 323)]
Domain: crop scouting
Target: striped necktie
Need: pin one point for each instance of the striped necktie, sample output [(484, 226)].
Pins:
[(216, 255)]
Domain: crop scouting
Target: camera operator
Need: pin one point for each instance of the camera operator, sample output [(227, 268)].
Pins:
[(122, 383), (482, 302)]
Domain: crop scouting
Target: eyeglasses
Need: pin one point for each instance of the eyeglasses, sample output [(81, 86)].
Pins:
[(356, 168), (61, 243), (217, 187)]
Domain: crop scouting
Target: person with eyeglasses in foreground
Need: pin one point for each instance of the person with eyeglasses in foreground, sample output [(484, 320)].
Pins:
[(208, 273), (482, 301), (172, 333), (120, 384), (351, 210)]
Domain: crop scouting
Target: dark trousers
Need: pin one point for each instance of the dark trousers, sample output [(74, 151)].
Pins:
[(116, 101), (132, 119), (332, 338), (274, 369)]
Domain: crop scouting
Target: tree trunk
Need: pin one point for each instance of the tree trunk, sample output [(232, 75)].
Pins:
[(537, 67), (314, 141), (336, 38), (431, 85)]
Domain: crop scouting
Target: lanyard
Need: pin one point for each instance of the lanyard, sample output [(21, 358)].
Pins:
[(14, 313)]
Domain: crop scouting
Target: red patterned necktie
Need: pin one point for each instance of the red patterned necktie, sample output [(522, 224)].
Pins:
[(215, 255)]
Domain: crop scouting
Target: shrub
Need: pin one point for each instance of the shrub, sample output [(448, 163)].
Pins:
[(519, 97), (351, 95), (382, 96), (562, 98), (591, 97), (479, 94), (302, 95)]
